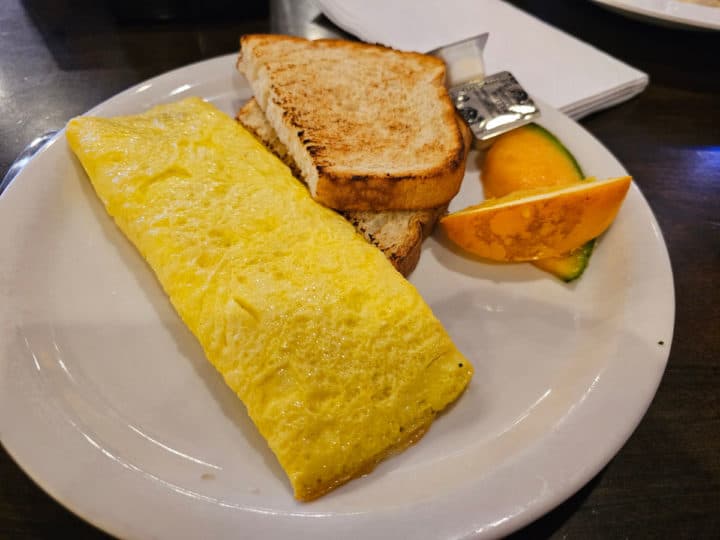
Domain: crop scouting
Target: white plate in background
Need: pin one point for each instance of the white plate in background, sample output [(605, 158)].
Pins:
[(108, 403), (668, 12)]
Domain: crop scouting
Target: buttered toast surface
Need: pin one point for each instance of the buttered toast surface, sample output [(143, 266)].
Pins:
[(336, 357)]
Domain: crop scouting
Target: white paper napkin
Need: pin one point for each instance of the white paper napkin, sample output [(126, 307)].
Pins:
[(563, 71)]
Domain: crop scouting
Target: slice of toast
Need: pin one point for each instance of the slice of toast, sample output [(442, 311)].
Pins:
[(369, 127), (398, 233)]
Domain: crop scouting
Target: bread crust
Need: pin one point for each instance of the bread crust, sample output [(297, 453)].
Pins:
[(403, 248), (393, 141), (412, 191)]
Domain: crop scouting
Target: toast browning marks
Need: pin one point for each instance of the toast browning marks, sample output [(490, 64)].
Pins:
[(337, 358), (369, 128), (397, 233)]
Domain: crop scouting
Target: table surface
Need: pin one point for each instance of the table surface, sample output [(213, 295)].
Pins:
[(665, 482)]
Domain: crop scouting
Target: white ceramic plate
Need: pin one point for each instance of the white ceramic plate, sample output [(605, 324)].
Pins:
[(107, 402), (668, 12)]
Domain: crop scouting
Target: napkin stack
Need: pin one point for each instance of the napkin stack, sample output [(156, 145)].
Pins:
[(561, 70)]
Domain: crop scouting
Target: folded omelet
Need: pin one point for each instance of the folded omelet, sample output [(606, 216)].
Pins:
[(336, 356)]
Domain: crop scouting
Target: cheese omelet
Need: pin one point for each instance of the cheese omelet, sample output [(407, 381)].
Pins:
[(336, 356)]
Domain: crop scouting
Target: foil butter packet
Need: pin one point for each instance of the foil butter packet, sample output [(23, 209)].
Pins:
[(490, 104)]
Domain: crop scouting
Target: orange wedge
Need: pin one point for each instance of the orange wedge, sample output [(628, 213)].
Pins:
[(539, 223), (525, 158)]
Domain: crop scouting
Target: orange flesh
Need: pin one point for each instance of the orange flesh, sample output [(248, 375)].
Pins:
[(526, 158), (537, 224)]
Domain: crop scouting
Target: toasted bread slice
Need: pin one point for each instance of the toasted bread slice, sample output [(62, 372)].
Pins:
[(398, 233), (369, 127)]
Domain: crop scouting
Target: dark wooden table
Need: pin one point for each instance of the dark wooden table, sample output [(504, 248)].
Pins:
[(57, 59)]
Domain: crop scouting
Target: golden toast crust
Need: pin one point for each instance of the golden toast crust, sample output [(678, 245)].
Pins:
[(369, 127)]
